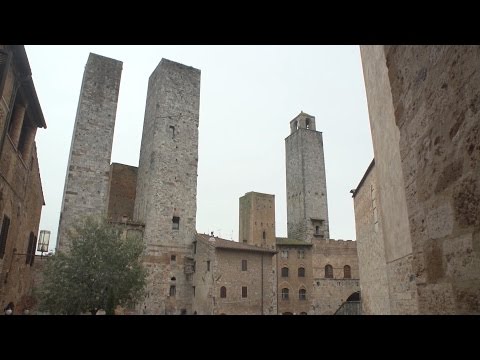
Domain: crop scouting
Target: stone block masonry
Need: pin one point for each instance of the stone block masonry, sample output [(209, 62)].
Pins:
[(87, 177), (167, 185)]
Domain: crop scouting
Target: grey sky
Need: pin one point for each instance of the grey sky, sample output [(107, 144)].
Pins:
[(248, 96)]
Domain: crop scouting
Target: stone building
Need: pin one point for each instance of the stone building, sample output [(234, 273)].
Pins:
[(88, 171), (231, 278), (295, 276), (370, 246), (21, 195), (423, 107)]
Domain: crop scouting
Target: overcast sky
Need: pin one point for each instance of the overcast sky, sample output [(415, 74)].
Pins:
[(248, 96)]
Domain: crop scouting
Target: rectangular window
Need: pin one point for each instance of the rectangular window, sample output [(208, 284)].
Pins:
[(208, 265), (175, 223), (301, 254), (173, 258), (193, 291), (4, 235), (244, 265), (173, 290), (244, 291), (284, 254)]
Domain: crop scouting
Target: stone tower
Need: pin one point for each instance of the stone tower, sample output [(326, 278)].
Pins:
[(167, 186), (257, 219), (87, 178), (307, 213)]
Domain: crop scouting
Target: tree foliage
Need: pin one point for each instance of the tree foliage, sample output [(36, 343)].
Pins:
[(101, 270)]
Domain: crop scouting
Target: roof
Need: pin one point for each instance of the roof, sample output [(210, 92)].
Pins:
[(289, 241), (370, 167), (231, 245), (24, 66)]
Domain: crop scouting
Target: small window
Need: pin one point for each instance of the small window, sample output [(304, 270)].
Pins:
[(285, 272), (172, 131), (193, 291), (317, 230), (264, 235), (32, 242), (173, 279), (301, 254), (284, 254), (301, 272), (329, 271), (284, 294), (347, 272), (307, 123), (302, 294), (208, 265), (173, 290), (175, 223), (4, 235), (244, 292), (173, 258), (244, 265), (194, 266), (223, 292)]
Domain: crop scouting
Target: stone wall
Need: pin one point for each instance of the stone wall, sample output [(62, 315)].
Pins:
[(370, 247), (390, 179), (436, 96), (329, 294), (306, 181), (167, 182), (87, 176), (121, 192)]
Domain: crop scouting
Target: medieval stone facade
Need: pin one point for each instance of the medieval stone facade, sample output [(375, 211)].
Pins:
[(21, 195), (188, 272), (232, 278), (423, 105)]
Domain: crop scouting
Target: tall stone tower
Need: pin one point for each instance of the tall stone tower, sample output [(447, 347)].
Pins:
[(307, 213), (86, 182), (257, 219), (167, 186)]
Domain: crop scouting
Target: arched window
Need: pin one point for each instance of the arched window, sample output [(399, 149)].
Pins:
[(329, 271), (302, 294), (284, 294), (284, 272), (307, 123), (223, 292), (301, 272), (173, 290), (347, 272)]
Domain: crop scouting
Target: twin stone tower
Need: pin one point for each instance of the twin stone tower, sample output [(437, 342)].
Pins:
[(164, 200)]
